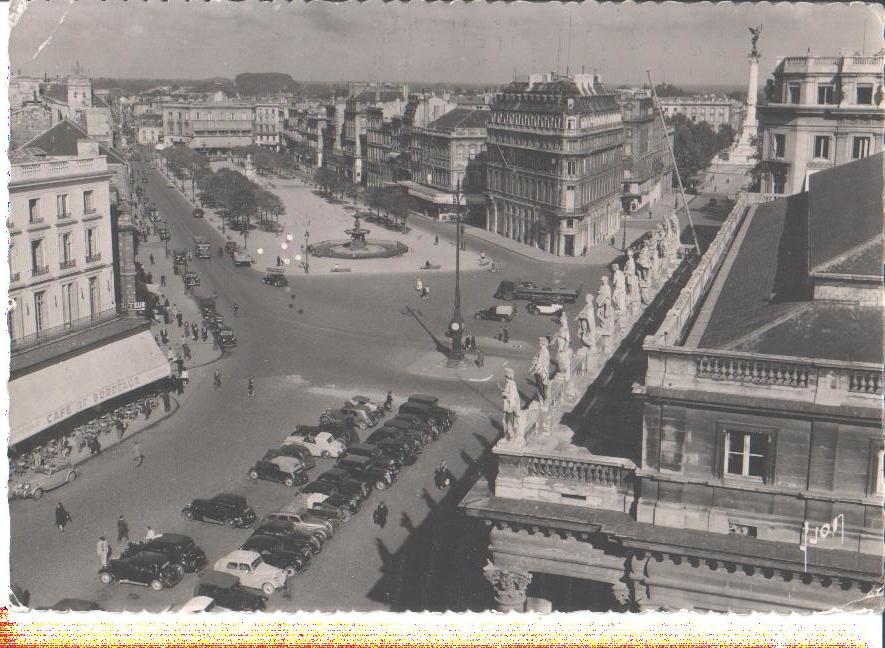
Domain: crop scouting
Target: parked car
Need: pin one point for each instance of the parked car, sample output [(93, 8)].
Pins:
[(373, 452), (495, 313), (148, 568), (358, 400), (275, 278), (276, 553), (334, 496), (293, 450), (341, 431), (252, 571), (226, 591), (360, 417), (198, 604), (304, 520), (544, 307), (225, 508), (346, 483), (285, 470), (47, 478), (396, 447), (182, 552), (367, 470), (281, 529), (323, 507), (433, 414), (321, 444), (416, 424), (404, 429)]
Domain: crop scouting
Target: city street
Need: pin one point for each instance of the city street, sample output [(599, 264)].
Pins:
[(341, 337)]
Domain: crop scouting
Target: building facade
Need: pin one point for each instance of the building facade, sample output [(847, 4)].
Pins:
[(386, 152), (149, 129), (824, 111), (555, 163), (648, 169), (267, 124), (390, 99), (747, 473), (208, 127), (716, 111)]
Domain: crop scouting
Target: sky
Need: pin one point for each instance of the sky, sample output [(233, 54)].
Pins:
[(474, 43)]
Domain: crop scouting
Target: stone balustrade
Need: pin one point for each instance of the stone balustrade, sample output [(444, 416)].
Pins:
[(595, 471), (756, 372), (31, 171)]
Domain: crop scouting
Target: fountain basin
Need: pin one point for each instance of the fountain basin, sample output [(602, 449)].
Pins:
[(345, 249)]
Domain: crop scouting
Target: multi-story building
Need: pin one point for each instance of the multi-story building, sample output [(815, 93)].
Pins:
[(716, 111), (440, 154), (648, 169), (333, 138), (267, 124), (149, 129), (747, 472), (823, 111), (555, 163), (391, 99), (210, 127), (386, 150), (73, 346)]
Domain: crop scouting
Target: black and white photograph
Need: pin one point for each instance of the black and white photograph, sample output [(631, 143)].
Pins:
[(428, 307)]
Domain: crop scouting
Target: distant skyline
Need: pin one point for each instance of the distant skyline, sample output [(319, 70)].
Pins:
[(469, 43)]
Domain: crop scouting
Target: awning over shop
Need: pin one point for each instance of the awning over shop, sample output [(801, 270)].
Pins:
[(428, 193), (41, 399)]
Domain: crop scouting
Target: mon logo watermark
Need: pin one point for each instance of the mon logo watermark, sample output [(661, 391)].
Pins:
[(811, 535)]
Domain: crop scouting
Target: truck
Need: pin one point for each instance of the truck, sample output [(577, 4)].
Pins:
[(202, 247), (526, 290)]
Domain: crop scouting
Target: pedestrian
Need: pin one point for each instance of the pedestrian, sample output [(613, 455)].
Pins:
[(204, 333), (251, 387), (435, 241), (179, 319), (216, 379), (419, 287), (279, 261), (137, 454), (150, 534), (388, 402), (152, 259), (196, 334), (103, 549), (506, 336), (194, 329), (380, 515), (164, 336), (179, 385), (122, 529), (187, 351), (236, 309), (147, 408), (62, 517), (163, 280), (119, 423), (480, 358), (167, 402), (180, 362)]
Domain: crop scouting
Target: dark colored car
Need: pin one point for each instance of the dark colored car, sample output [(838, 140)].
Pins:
[(367, 470), (433, 414), (387, 437), (148, 568), (347, 483), (398, 450), (495, 313), (277, 553), (293, 450), (419, 434), (74, 605), (226, 591), (280, 529), (276, 280), (226, 508), (197, 213), (416, 424), (336, 498), (375, 453), (285, 470), (182, 552), (226, 338)]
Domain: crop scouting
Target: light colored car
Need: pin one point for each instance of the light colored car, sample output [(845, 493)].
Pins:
[(42, 480), (321, 444), (252, 571), (544, 308), (201, 604), (301, 519)]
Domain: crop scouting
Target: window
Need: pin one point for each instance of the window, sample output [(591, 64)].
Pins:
[(40, 310), (747, 454), (61, 203), (879, 477), (68, 302), (34, 210), (570, 167), (793, 93), (826, 94), (822, 147), (860, 148), (91, 242), (780, 145), (94, 296), (15, 318), (864, 94), (778, 183), (65, 249), (88, 206), (37, 256)]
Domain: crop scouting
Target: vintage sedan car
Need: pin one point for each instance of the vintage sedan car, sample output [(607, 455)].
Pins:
[(387, 436), (274, 278), (227, 593), (303, 520), (320, 505), (321, 444), (433, 414), (182, 552), (225, 508), (358, 400), (288, 471), (252, 571), (495, 313), (341, 431), (397, 449), (148, 568), (350, 502), (367, 470), (226, 338), (44, 479), (544, 307), (280, 529), (198, 604), (359, 417), (417, 424), (277, 553), (346, 483), (293, 450), (375, 453)]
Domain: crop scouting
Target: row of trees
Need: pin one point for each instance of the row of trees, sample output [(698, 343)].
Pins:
[(265, 160), (239, 200), (395, 204), (695, 144)]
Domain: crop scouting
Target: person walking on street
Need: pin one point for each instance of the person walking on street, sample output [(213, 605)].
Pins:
[(163, 280), (62, 517), (122, 529), (251, 387), (216, 379), (380, 515), (480, 358), (103, 549), (388, 402), (236, 309), (152, 259), (419, 287), (187, 350), (179, 319), (137, 454)]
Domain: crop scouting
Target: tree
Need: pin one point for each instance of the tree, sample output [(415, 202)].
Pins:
[(724, 137), (667, 90)]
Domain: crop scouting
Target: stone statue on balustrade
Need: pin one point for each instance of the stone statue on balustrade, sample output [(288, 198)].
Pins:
[(619, 290), (563, 347), (634, 296), (511, 406), (587, 322), (674, 227), (630, 264), (654, 271), (541, 370), (604, 305), (643, 263)]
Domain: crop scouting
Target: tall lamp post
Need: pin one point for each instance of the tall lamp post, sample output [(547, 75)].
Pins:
[(456, 326)]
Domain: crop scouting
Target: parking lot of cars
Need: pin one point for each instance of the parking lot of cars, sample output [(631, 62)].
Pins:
[(328, 470)]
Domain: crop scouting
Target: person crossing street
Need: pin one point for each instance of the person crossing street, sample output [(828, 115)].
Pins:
[(62, 517), (251, 387), (103, 549), (122, 529), (217, 379), (137, 454), (379, 516)]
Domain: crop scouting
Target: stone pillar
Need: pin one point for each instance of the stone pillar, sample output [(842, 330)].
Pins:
[(126, 254), (509, 586), (752, 90)]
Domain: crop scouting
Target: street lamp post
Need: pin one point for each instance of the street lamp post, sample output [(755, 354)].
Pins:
[(456, 326)]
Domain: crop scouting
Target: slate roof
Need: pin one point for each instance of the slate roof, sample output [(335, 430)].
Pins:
[(62, 138), (57, 91), (461, 118)]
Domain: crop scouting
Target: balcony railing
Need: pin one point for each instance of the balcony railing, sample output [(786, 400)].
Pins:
[(755, 372), (39, 270), (92, 258), (590, 471), (88, 211), (865, 382), (65, 265), (36, 220), (27, 342), (65, 216)]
